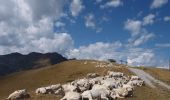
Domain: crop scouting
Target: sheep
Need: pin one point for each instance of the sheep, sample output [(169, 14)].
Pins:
[(136, 83), (110, 83), (55, 87), (92, 75), (52, 88), (128, 87), (72, 96), (82, 84), (60, 91), (69, 88), (41, 90), (115, 74), (123, 92), (135, 77), (65, 88), (113, 85), (48, 90), (98, 92), (96, 80), (19, 95)]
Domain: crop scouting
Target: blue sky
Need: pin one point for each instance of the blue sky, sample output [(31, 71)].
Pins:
[(133, 30)]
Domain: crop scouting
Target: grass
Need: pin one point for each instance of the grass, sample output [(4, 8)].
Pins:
[(66, 72), (158, 73)]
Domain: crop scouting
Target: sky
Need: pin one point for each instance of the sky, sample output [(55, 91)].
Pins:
[(135, 31)]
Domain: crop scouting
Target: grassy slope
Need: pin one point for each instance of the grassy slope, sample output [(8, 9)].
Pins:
[(161, 74), (61, 73)]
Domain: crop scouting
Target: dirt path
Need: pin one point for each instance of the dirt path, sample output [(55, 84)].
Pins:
[(151, 81)]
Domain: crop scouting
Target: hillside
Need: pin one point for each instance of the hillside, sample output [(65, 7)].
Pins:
[(158, 73), (17, 62), (66, 72)]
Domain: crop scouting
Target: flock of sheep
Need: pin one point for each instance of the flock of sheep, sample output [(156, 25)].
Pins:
[(93, 87)]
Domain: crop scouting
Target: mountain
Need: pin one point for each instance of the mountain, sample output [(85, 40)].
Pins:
[(15, 62)]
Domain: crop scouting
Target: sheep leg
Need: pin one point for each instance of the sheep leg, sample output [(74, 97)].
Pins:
[(118, 96), (103, 96), (64, 98), (89, 96)]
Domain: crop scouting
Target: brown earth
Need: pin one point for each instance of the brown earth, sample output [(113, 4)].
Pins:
[(66, 72)]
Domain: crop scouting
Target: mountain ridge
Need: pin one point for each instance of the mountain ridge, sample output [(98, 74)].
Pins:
[(15, 62)]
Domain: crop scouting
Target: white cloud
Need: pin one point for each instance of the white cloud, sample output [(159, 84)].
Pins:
[(139, 34), (103, 51), (167, 18), (134, 26), (98, 50), (60, 42), (28, 26), (148, 19), (76, 7), (59, 24), (90, 21), (158, 3), (163, 45), (141, 58), (141, 39), (112, 3)]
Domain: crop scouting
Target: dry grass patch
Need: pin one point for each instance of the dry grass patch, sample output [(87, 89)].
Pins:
[(59, 73), (66, 72), (158, 73)]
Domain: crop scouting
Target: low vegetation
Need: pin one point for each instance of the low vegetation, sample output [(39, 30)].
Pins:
[(66, 72)]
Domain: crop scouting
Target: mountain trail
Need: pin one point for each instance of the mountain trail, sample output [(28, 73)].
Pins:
[(149, 80)]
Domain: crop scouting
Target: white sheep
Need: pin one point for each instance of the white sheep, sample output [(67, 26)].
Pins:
[(48, 90), (19, 95), (92, 75), (113, 85), (136, 83), (96, 80), (98, 92), (135, 77), (82, 84), (123, 92), (52, 88), (41, 90), (110, 83), (115, 74), (69, 88), (72, 96)]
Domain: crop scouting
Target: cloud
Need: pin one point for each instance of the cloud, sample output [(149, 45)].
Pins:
[(158, 3), (139, 34), (143, 38), (59, 24), (139, 57), (98, 50), (165, 45), (134, 26), (167, 18), (112, 3), (60, 42), (149, 19), (90, 23), (29, 26), (118, 51), (76, 7)]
